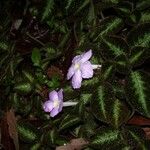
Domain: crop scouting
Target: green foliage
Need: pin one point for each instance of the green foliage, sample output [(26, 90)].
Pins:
[(69, 121), (137, 89), (27, 132), (47, 9), (38, 40), (36, 57), (113, 47), (140, 36), (109, 109), (106, 138), (23, 88), (107, 26)]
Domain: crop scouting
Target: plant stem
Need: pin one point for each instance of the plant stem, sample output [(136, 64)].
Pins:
[(29, 35)]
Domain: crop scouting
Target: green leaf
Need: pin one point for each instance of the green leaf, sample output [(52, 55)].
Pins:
[(105, 138), (112, 47), (3, 59), (137, 90), (51, 136), (124, 8), (35, 146), (102, 96), (23, 88), (4, 45), (107, 71), (134, 136), (138, 55), (107, 108), (64, 40), (69, 2), (88, 129), (36, 57), (107, 26), (84, 4), (145, 16), (140, 36), (118, 88), (134, 18), (90, 84), (91, 13), (85, 97), (48, 9), (111, 1), (28, 75), (69, 121), (69, 93), (122, 64), (21, 105), (27, 132), (120, 113), (142, 4)]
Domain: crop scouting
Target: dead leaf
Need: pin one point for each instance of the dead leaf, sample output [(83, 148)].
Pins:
[(75, 144), (12, 127), (6, 140), (147, 132), (139, 120)]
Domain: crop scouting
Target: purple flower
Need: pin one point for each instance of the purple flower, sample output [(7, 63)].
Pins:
[(55, 103), (80, 68)]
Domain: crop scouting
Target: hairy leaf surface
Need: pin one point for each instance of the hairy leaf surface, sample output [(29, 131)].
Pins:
[(137, 90)]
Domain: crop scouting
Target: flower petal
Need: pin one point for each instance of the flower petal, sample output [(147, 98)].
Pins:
[(76, 59), (86, 56), (77, 79), (71, 72), (48, 106), (60, 95), (60, 106), (53, 95), (87, 70), (54, 112)]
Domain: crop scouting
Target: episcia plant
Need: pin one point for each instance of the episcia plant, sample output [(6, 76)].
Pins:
[(74, 70)]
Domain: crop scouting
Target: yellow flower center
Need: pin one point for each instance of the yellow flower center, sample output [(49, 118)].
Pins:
[(56, 103), (77, 66)]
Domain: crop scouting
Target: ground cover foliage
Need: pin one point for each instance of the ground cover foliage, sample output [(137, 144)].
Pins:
[(39, 38)]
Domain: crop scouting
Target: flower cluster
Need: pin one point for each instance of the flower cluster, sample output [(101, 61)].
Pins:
[(81, 68)]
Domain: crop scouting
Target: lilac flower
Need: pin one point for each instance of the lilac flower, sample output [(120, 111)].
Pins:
[(55, 103), (81, 68)]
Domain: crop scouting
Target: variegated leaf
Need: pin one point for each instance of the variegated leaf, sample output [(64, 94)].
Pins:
[(124, 8), (49, 6), (106, 138), (107, 108), (112, 47), (140, 36), (27, 132), (135, 137), (122, 64), (142, 4), (133, 18), (90, 83), (107, 26), (107, 71), (145, 16), (118, 88), (68, 121), (137, 90), (138, 55)]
